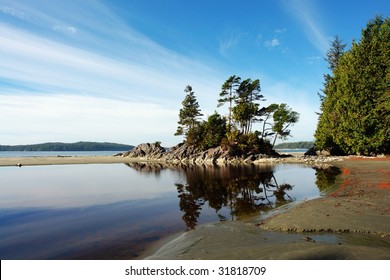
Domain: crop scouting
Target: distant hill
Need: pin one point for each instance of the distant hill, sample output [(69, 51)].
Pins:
[(295, 145), (79, 146)]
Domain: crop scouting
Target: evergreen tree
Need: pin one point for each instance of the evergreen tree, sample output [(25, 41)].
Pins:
[(214, 130), (283, 118), (267, 112), (335, 52), (188, 115), (333, 56), (228, 95), (356, 105), (247, 108)]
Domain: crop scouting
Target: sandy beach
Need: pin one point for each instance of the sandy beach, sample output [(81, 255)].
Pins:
[(353, 222), (60, 159), (51, 160)]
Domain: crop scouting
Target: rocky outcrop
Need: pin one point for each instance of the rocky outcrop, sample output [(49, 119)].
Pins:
[(333, 151), (184, 153), (188, 154), (311, 152), (146, 151)]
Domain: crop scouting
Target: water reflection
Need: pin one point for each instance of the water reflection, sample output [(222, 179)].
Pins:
[(113, 211), (326, 178), (244, 189)]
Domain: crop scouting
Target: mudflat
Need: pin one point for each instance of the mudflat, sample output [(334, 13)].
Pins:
[(351, 223)]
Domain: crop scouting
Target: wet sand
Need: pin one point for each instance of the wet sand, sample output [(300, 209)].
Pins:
[(52, 160), (350, 223)]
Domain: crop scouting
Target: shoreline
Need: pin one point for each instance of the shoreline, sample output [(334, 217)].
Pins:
[(59, 160), (350, 223)]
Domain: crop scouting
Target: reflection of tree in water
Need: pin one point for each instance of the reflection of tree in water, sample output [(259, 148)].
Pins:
[(244, 189), (189, 205), (147, 167), (325, 178)]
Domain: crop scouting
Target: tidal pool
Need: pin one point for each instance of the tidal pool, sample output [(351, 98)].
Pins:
[(115, 211)]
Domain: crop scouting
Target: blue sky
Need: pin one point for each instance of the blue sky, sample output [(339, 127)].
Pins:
[(115, 71)]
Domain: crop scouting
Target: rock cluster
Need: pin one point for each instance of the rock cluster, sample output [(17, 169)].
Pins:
[(184, 153), (333, 151), (146, 151), (188, 154)]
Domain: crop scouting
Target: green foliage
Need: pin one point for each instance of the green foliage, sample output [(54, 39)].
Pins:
[(243, 143), (195, 135), (214, 131), (266, 114), (236, 132), (188, 115), (355, 108), (228, 94), (283, 117), (335, 52), (247, 109), (208, 134)]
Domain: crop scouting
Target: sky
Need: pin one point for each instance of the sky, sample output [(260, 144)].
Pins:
[(116, 70)]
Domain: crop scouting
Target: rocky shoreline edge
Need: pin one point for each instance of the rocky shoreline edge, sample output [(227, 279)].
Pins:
[(187, 154)]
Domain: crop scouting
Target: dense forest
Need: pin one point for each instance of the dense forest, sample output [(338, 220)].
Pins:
[(355, 100), (295, 145), (79, 146), (236, 131)]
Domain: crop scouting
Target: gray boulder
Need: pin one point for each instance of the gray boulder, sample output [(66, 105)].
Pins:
[(146, 150)]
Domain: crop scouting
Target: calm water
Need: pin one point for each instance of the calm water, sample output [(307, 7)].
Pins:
[(114, 211)]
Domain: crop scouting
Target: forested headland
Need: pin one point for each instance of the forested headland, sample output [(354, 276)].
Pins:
[(355, 100), (78, 146)]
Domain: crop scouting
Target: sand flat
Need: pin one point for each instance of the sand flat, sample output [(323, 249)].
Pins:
[(51, 160)]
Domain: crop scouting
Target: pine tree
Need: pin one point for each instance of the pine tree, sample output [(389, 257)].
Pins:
[(189, 114), (228, 95), (247, 108), (283, 117)]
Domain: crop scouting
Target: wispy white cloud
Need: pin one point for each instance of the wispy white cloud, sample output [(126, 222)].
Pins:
[(34, 119), (272, 43), (282, 30), (103, 62), (305, 12), (276, 40), (229, 41), (13, 12), (49, 67), (313, 59), (65, 29)]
